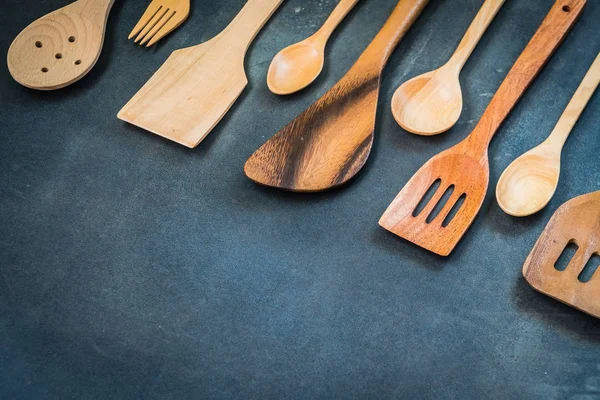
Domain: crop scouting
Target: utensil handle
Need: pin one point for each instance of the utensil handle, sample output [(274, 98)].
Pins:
[(95, 9), (545, 41), (482, 20), (580, 99), (250, 20), (377, 54), (336, 17)]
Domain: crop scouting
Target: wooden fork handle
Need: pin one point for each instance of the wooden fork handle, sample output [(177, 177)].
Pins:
[(399, 22), (545, 41)]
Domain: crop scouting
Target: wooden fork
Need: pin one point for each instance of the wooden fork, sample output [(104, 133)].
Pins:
[(161, 17)]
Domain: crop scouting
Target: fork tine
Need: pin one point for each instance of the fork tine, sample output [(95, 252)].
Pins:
[(174, 21), (164, 22), (155, 19), (146, 17)]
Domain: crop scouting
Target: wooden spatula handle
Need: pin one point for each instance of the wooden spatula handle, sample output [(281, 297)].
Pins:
[(250, 20), (399, 22), (556, 25)]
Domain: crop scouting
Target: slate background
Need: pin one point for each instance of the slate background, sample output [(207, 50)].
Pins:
[(132, 267)]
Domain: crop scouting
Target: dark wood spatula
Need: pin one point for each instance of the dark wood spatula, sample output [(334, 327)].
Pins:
[(461, 173), (575, 222), (329, 143)]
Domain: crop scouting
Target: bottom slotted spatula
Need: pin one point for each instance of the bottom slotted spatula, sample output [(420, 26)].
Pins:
[(461, 174), (578, 285)]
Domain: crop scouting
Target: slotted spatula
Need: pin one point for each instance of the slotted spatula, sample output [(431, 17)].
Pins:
[(329, 143), (575, 222), (187, 97), (461, 173)]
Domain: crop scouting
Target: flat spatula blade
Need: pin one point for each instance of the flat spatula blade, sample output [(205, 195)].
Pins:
[(323, 147), (186, 98)]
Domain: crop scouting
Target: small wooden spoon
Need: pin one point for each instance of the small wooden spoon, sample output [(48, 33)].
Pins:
[(431, 103), (61, 47), (298, 65), (528, 184)]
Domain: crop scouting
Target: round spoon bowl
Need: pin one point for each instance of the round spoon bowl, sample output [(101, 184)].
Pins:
[(428, 104), (528, 184), (295, 67)]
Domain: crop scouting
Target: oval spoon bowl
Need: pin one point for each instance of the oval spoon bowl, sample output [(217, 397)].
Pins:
[(295, 67)]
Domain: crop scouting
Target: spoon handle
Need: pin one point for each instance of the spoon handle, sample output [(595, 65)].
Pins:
[(484, 17), (580, 99), (545, 41), (377, 54), (336, 17)]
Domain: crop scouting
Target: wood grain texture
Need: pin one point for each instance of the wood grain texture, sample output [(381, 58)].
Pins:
[(529, 182), (298, 65), (577, 221), (160, 18), (329, 143), (187, 97), (60, 48), (431, 103), (464, 168)]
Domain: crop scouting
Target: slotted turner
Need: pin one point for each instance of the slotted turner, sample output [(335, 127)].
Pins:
[(463, 170), (187, 97), (577, 221), (329, 143)]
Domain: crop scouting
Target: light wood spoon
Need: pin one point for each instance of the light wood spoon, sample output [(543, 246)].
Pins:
[(298, 65), (431, 103), (529, 182), (61, 47)]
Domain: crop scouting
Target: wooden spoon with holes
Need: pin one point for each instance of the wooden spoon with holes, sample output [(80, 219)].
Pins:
[(529, 182), (431, 103), (61, 47)]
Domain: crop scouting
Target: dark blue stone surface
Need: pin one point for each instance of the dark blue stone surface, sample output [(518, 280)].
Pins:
[(132, 267)]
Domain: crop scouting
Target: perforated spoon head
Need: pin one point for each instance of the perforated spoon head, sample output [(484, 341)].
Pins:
[(296, 67), (59, 48), (529, 182), (429, 104)]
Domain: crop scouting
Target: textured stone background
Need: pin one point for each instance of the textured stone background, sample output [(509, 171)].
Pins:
[(132, 267)]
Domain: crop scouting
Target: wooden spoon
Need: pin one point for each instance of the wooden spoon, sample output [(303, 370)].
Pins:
[(329, 143), (528, 184), (575, 223), (431, 103), (298, 65), (61, 47)]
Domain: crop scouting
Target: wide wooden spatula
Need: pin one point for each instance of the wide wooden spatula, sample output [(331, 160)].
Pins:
[(329, 143), (577, 222), (457, 178), (196, 86)]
